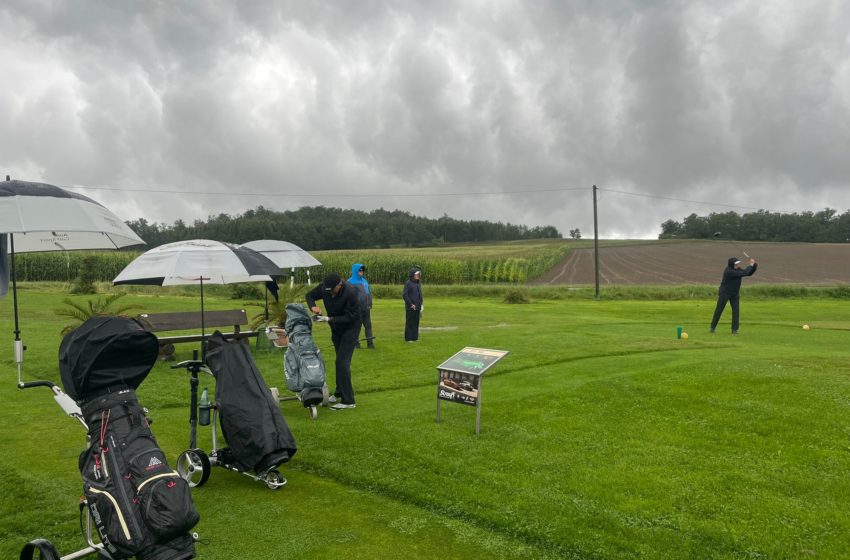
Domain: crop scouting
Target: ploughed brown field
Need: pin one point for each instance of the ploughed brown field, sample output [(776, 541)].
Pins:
[(702, 262)]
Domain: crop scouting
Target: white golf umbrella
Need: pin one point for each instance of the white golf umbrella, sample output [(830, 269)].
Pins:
[(36, 217), (199, 262), (284, 254)]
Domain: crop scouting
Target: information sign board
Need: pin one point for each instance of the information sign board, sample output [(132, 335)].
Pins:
[(459, 378)]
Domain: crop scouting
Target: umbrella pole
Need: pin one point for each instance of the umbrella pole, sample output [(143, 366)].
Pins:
[(19, 345), (203, 332), (267, 305)]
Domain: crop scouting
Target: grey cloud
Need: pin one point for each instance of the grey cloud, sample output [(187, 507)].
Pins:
[(730, 102)]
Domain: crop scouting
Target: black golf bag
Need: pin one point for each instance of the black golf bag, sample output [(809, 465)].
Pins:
[(302, 365), (140, 506), (257, 436)]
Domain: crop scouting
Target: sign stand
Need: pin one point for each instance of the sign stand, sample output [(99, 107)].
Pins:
[(459, 378)]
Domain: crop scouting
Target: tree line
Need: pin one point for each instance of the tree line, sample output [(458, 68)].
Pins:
[(321, 228), (826, 226)]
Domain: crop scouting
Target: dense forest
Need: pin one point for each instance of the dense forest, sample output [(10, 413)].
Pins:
[(321, 228), (826, 226)]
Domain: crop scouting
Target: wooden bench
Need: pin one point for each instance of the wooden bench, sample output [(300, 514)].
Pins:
[(180, 321)]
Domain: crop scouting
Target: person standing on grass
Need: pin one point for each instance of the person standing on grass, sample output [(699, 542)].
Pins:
[(730, 287), (358, 280), (412, 296), (343, 316)]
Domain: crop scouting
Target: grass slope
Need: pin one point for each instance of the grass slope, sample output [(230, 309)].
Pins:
[(602, 437)]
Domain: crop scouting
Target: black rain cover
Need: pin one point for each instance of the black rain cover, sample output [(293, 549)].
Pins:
[(250, 417), (106, 352)]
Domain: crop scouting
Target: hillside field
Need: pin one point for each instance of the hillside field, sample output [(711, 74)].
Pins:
[(702, 262)]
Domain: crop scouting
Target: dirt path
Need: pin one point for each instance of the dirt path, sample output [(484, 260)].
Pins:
[(702, 262)]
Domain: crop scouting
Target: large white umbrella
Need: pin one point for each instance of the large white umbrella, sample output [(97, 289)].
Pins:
[(199, 262), (36, 217), (284, 254)]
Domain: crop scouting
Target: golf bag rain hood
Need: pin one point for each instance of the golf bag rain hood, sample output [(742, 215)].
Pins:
[(253, 426), (106, 353)]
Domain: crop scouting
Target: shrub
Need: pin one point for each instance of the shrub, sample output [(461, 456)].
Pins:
[(515, 295), (245, 291), (84, 284)]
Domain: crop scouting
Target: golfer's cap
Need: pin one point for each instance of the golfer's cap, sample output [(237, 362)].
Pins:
[(331, 281), (737, 261)]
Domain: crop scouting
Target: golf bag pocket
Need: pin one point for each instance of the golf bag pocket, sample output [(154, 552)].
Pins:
[(302, 365), (117, 524), (167, 507), (164, 500)]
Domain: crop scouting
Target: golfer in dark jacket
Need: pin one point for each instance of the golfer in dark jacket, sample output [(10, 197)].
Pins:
[(412, 296), (343, 316), (729, 290)]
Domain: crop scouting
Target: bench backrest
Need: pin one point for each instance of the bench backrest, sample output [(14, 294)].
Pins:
[(192, 320)]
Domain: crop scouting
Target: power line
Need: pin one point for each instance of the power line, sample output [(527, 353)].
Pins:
[(334, 195), (645, 195), (418, 195)]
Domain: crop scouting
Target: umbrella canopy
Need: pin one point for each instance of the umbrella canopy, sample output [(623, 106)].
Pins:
[(283, 253), (37, 217), (197, 261), (44, 217)]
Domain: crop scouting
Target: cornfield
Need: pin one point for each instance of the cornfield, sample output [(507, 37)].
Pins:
[(508, 263), (103, 266)]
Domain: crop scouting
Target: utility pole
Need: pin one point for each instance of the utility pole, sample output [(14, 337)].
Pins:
[(596, 241)]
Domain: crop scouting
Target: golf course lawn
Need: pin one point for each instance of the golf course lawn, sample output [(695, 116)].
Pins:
[(602, 436)]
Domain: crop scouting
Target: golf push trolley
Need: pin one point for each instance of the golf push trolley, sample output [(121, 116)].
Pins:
[(43, 548), (258, 439), (135, 505)]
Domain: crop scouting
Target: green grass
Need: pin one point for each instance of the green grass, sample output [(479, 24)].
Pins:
[(603, 436)]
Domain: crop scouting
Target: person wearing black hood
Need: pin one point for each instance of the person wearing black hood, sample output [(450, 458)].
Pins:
[(412, 296), (730, 286), (343, 316)]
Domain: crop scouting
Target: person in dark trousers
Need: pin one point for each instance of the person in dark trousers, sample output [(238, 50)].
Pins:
[(343, 315), (729, 290), (413, 305), (358, 280)]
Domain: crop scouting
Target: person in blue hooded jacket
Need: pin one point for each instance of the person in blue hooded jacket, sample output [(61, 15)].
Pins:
[(358, 280)]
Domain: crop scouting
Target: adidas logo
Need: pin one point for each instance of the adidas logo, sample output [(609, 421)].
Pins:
[(154, 463)]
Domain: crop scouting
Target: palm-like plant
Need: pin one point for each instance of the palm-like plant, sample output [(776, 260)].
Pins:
[(98, 307), (277, 309)]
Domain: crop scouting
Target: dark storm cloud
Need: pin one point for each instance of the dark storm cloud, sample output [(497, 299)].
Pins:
[(739, 103)]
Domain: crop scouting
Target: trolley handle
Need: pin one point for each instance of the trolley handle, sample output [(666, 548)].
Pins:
[(193, 366), (31, 384)]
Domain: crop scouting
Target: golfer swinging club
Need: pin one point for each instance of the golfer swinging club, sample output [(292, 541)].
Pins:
[(729, 290)]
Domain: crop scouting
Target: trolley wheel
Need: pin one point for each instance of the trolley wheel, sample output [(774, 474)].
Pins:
[(314, 412), (39, 549), (274, 480), (194, 466)]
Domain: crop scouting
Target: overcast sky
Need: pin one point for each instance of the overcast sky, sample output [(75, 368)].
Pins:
[(366, 104)]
